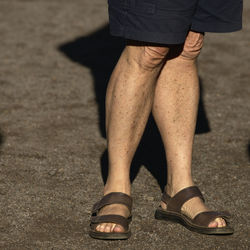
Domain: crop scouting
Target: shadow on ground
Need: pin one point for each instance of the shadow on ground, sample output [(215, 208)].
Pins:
[(100, 52), (2, 139), (248, 151)]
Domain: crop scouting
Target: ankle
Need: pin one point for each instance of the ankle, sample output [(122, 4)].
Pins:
[(119, 186), (174, 187)]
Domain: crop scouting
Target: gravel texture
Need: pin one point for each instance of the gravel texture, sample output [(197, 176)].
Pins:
[(56, 58)]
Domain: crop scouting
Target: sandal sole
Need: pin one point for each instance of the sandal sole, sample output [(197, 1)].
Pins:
[(109, 236), (183, 220)]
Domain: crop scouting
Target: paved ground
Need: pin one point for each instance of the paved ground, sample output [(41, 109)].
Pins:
[(56, 57)]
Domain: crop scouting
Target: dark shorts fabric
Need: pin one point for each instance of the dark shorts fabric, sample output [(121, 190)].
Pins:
[(168, 21)]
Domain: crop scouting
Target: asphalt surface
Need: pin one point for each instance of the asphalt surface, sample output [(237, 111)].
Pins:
[(55, 59)]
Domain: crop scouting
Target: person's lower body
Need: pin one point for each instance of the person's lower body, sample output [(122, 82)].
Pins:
[(149, 78)]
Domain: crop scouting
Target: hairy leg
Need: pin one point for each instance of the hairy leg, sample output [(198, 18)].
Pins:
[(128, 104), (175, 110)]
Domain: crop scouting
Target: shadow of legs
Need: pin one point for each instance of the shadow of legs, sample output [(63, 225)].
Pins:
[(100, 52), (2, 139)]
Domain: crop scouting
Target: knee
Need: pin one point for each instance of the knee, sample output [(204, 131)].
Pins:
[(192, 46), (153, 57), (150, 57)]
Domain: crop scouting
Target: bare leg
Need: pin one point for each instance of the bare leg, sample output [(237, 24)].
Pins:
[(175, 111), (128, 104)]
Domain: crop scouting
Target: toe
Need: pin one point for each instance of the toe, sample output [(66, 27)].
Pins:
[(102, 227), (118, 229), (221, 222), (107, 228), (224, 223), (112, 227), (213, 224), (218, 220)]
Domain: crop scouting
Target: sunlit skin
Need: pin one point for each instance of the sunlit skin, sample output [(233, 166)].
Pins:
[(144, 81)]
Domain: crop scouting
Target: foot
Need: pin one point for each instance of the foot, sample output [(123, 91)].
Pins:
[(117, 209), (193, 207)]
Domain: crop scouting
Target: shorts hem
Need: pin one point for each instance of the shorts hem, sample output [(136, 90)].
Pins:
[(218, 28), (151, 37)]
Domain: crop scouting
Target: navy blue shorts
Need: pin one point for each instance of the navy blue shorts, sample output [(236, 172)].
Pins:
[(168, 21)]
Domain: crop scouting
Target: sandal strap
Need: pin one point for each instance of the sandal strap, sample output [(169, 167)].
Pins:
[(110, 218), (204, 218), (113, 198), (175, 203), (165, 197)]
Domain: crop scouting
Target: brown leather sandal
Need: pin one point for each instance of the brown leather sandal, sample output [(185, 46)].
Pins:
[(111, 198), (200, 222)]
